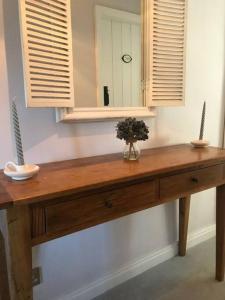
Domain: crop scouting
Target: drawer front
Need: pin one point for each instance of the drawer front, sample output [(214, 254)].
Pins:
[(191, 182), (94, 209)]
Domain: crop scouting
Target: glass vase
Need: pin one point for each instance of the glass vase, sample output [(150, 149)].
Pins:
[(131, 151)]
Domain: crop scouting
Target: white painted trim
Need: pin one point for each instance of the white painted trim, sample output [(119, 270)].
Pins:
[(102, 113), (137, 267), (201, 235)]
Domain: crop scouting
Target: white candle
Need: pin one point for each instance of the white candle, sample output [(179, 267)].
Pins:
[(202, 122), (16, 125)]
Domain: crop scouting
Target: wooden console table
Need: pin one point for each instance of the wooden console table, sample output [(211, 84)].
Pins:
[(69, 196)]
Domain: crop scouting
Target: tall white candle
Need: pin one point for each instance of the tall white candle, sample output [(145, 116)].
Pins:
[(202, 122), (16, 125)]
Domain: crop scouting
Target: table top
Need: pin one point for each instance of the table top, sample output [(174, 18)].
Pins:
[(66, 177)]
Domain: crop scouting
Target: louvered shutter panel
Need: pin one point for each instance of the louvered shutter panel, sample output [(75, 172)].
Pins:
[(47, 52), (165, 53)]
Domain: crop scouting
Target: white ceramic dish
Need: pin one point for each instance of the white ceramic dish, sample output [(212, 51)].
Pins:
[(20, 172), (200, 143)]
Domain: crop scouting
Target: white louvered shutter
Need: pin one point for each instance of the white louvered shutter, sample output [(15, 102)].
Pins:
[(165, 54), (47, 52)]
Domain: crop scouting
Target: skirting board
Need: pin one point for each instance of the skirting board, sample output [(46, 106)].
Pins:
[(127, 272)]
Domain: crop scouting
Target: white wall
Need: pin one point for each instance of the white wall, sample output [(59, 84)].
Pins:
[(74, 261)]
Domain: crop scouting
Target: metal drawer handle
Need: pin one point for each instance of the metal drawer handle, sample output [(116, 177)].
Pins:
[(108, 204), (194, 179)]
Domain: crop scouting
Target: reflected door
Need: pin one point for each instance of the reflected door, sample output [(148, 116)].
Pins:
[(118, 58)]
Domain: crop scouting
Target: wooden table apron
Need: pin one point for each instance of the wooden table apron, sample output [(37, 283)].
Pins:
[(74, 195)]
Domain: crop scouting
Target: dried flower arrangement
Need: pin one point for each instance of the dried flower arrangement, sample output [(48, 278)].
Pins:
[(132, 130)]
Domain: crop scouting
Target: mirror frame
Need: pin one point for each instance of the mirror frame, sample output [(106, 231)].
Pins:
[(69, 115), (102, 113)]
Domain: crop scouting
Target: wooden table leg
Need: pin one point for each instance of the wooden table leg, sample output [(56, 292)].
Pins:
[(4, 284), (184, 209), (220, 232), (19, 239)]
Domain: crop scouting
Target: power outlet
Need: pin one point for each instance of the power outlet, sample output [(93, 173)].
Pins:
[(36, 276)]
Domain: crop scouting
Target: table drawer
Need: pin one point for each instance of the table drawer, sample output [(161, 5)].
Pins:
[(94, 209), (191, 182)]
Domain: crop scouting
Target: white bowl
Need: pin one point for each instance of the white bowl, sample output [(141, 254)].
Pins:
[(20, 172)]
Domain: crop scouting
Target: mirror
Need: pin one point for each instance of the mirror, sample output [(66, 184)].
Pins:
[(94, 69), (107, 52)]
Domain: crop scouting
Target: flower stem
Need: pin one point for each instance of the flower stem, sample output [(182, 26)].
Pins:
[(130, 147), (135, 154)]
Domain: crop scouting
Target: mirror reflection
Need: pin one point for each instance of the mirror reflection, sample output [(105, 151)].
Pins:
[(107, 53)]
